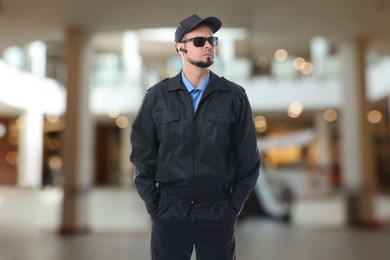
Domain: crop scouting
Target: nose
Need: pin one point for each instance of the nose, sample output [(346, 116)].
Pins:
[(208, 45)]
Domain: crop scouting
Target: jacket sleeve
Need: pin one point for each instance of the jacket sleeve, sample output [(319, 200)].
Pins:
[(144, 143), (246, 154)]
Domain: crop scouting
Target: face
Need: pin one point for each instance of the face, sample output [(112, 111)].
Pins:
[(202, 57)]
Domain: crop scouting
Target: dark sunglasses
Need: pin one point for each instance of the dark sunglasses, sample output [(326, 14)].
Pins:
[(201, 41)]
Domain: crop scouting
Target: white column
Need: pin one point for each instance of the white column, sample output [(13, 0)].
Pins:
[(227, 53), (232, 67), (133, 69), (37, 58), (78, 135), (358, 176), (31, 131), (30, 149), (131, 58), (351, 119), (319, 50)]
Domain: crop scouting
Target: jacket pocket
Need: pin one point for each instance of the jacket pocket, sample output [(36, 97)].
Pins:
[(218, 126), (166, 121)]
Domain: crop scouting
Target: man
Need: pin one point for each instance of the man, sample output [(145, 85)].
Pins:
[(194, 151)]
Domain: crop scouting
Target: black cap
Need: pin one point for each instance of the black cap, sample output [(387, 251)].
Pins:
[(191, 22)]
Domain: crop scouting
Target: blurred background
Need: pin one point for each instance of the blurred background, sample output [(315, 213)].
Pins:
[(73, 74)]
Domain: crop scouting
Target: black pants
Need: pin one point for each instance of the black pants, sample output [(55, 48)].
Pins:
[(179, 226)]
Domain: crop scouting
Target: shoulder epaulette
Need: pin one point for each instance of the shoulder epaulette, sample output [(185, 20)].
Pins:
[(148, 90), (234, 83)]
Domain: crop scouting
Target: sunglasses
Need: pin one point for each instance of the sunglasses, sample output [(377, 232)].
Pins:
[(201, 41)]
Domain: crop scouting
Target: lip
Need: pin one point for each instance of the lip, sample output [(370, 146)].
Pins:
[(209, 54)]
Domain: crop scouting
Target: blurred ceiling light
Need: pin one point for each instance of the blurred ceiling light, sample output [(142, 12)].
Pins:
[(281, 55), (299, 63), (52, 118), (374, 116), (3, 130), (330, 115), (113, 112), (11, 158), (295, 110), (262, 62), (260, 124), (122, 122), (307, 68), (55, 162)]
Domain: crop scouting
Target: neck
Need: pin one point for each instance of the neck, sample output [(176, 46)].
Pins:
[(195, 75)]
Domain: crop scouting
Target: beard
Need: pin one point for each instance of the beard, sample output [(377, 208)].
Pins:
[(201, 64)]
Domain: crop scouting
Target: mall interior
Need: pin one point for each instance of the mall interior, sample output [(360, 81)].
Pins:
[(73, 74)]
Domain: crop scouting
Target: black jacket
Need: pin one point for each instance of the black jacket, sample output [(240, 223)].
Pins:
[(208, 156)]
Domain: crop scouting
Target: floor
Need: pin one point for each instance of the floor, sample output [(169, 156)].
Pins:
[(29, 221)]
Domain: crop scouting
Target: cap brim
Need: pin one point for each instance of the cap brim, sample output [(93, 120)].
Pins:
[(214, 22)]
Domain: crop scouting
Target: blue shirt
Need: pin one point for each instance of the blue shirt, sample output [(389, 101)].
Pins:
[(195, 93)]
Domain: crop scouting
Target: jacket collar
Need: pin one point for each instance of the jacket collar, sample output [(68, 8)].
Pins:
[(176, 83)]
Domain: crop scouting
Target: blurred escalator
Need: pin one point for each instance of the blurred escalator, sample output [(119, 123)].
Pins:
[(270, 198)]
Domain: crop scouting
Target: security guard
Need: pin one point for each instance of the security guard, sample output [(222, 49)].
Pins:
[(195, 153)]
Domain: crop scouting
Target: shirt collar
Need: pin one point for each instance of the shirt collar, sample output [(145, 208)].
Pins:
[(190, 87)]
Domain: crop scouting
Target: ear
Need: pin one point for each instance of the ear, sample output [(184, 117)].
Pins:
[(178, 45)]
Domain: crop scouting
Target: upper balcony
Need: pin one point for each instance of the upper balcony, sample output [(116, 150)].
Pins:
[(119, 81)]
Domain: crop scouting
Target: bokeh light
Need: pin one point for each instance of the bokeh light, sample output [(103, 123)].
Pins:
[(299, 63), (122, 122), (308, 68), (113, 112), (330, 115), (374, 116), (295, 110), (281, 55), (11, 158), (260, 124)]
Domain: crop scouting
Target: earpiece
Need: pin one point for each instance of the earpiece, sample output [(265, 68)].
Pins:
[(183, 50)]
